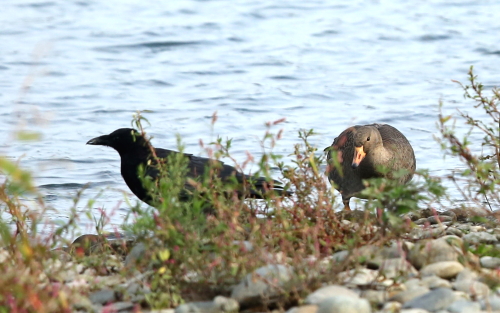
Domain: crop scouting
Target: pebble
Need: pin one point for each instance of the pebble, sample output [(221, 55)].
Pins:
[(339, 304), (375, 297), (118, 307), (446, 269), (489, 262), (136, 254), (399, 277), (433, 300), (492, 302), (340, 256), (412, 283), (304, 309), (479, 237), (397, 268), (439, 219), (408, 295), (263, 282), (391, 307), (245, 246), (454, 232), (218, 305), (421, 221), (464, 306), (434, 282), (466, 274), (359, 277), (329, 291), (103, 296), (447, 248), (474, 288), (419, 233)]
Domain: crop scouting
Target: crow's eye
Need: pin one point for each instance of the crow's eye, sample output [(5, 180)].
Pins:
[(368, 139)]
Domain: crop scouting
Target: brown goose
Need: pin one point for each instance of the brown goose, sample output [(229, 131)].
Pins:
[(361, 150)]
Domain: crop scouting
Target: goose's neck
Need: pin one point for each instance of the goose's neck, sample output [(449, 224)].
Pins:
[(381, 155)]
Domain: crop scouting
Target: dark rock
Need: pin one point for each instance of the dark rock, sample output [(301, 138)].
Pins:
[(103, 296), (138, 256)]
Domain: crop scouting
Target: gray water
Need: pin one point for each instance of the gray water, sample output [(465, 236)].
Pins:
[(73, 70)]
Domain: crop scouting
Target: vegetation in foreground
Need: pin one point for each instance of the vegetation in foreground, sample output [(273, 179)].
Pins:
[(193, 256)]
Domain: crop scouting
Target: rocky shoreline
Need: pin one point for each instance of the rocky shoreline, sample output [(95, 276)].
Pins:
[(447, 264)]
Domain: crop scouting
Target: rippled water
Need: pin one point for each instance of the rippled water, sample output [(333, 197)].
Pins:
[(73, 70)]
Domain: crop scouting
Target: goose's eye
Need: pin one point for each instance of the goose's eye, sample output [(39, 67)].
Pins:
[(368, 139)]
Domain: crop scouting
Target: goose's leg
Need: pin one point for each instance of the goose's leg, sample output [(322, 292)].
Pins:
[(346, 204)]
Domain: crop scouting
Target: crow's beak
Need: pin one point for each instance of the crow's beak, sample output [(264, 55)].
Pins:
[(99, 141)]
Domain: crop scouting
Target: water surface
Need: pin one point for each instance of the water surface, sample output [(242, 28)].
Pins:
[(73, 70)]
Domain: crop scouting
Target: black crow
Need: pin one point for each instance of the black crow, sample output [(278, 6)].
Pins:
[(136, 151)]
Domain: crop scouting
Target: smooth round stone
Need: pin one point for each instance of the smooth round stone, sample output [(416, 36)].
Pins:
[(477, 228), (408, 295), (375, 297), (454, 232), (245, 246), (220, 304), (397, 268), (358, 277), (434, 282), (489, 262), (412, 283), (472, 287), (492, 302), (433, 300), (418, 233), (479, 237), (464, 306), (391, 306), (447, 248), (120, 307), (446, 269), (449, 213), (329, 291), (263, 282), (466, 274), (340, 256), (413, 311), (421, 221), (339, 304), (439, 218), (136, 255), (226, 304), (103, 296), (310, 308)]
